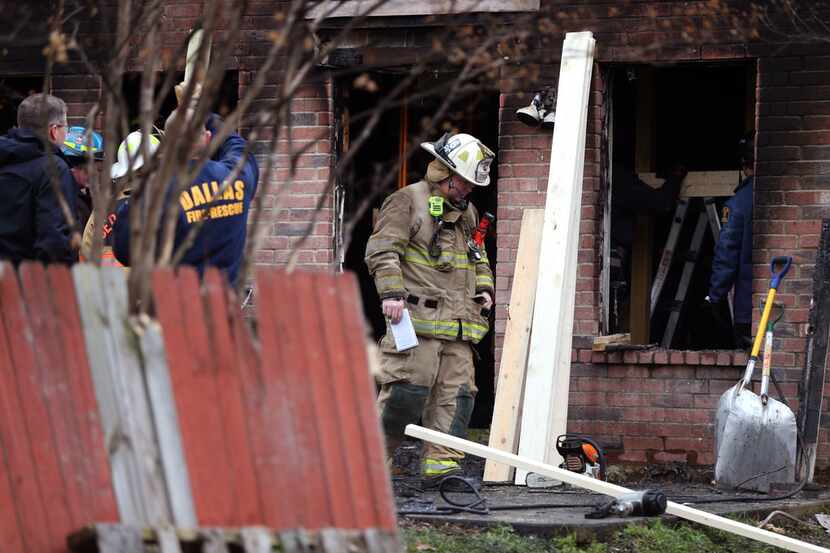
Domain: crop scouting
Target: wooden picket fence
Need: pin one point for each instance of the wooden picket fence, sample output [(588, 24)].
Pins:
[(130, 432)]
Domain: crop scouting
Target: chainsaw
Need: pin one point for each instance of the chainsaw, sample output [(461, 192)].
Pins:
[(580, 454)]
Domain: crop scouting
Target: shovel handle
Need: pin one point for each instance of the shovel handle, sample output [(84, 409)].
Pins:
[(784, 261)]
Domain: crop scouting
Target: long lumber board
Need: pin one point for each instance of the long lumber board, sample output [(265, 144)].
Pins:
[(545, 407), (504, 430), (599, 486)]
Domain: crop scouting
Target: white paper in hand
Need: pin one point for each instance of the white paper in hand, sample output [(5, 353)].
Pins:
[(404, 333)]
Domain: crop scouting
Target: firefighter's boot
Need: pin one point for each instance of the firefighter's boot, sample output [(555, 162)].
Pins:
[(435, 470)]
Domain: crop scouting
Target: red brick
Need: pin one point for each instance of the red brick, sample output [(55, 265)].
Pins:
[(692, 358)]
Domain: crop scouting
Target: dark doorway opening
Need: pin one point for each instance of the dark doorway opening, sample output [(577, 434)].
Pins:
[(13, 90), (665, 120), (378, 160)]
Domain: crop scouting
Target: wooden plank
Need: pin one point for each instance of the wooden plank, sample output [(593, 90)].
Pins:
[(278, 466), (119, 538), (256, 539), (247, 508), (504, 430), (335, 339), (600, 486), (197, 391), (641, 267), (601, 343), (52, 379), (120, 389), (168, 540), (646, 138), (213, 541), (42, 464), (545, 407), (811, 387), (316, 510), (700, 184), (166, 424), (103, 506), (357, 8), (363, 400), (314, 293), (23, 525)]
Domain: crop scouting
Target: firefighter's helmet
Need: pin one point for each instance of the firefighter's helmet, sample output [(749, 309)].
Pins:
[(131, 150), (81, 144), (464, 155)]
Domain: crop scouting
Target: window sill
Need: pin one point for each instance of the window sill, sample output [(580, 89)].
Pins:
[(715, 358)]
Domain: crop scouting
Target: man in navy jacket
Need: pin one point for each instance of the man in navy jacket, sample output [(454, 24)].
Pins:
[(220, 242), (32, 223), (732, 264)]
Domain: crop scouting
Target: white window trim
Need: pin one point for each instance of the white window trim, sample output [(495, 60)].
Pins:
[(355, 8)]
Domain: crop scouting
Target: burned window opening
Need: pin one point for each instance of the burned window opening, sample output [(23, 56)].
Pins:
[(664, 123)]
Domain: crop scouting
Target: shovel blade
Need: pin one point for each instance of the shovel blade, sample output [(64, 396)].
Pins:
[(756, 443)]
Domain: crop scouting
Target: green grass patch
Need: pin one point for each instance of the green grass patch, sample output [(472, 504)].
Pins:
[(635, 538), (501, 539)]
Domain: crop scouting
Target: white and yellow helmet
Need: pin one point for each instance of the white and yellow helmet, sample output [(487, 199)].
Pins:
[(464, 155), (132, 144)]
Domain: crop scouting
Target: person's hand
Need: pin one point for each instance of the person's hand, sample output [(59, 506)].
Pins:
[(393, 309), (486, 300), (180, 89)]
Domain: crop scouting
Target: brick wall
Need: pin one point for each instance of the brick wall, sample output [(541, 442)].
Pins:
[(666, 409)]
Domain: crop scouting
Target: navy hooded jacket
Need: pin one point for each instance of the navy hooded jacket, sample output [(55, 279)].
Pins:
[(221, 240), (32, 224), (732, 264)]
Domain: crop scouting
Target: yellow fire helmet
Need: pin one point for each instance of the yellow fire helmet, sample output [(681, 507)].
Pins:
[(464, 155), (130, 149)]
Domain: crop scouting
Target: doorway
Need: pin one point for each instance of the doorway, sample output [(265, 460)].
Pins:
[(381, 166)]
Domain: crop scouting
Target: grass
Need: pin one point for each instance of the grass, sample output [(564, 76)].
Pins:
[(635, 538)]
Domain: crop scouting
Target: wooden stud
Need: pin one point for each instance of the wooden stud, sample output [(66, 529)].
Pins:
[(545, 407), (641, 266), (600, 486), (504, 430), (811, 388), (700, 184)]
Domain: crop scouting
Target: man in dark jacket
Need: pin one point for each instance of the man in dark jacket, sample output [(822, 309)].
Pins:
[(32, 223), (220, 242), (732, 264)]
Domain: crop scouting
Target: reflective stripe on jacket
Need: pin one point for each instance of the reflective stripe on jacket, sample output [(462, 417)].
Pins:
[(438, 290)]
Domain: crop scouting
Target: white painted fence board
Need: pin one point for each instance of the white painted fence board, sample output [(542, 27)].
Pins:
[(504, 430), (166, 423), (545, 409), (256, 539), (599, 486), (122, 398)]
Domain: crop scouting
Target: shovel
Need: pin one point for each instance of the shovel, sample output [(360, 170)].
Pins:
[(755, 440)]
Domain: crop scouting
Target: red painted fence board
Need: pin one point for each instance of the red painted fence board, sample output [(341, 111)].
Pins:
[(295, 407), (53, 463)]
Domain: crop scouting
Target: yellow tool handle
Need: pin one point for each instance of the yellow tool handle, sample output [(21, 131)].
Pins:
[(759, 336)]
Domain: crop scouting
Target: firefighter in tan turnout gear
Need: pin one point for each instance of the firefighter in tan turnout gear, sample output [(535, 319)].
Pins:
[(423, 259)]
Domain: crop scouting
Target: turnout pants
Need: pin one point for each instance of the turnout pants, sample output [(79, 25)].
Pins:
[(435, 382)]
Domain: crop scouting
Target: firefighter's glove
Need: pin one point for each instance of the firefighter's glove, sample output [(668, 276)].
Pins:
[(484, 299), (393, 309)]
